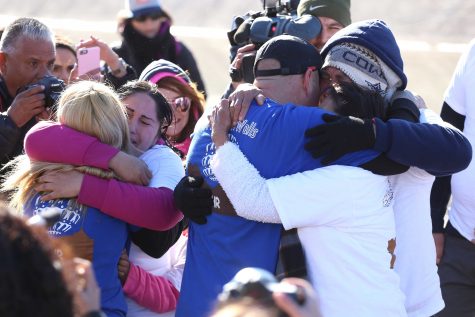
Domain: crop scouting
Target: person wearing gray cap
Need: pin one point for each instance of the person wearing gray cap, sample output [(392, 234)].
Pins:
[(334, 15)]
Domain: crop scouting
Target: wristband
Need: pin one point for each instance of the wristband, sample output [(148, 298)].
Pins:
[(122, 70)]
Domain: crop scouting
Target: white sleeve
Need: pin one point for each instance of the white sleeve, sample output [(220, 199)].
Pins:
[(177, 259), (242, 183), (323, 196), (455, 94), (166, 167)]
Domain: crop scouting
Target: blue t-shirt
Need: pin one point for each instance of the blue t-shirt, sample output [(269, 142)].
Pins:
[(95, 236), (272, 137)]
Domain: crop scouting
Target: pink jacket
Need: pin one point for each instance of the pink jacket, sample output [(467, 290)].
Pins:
[(147, 207)]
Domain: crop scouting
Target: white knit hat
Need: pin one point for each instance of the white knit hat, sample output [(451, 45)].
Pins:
[(364, 68)]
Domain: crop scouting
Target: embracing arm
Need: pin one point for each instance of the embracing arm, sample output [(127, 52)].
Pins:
[(52, 142), (244, 186), (441, 190), (147, 207), (424, 145)]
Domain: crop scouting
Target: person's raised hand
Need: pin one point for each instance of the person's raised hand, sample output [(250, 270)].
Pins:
[(220, 121), (130, 169), (244, 50), (194, 201), (240, 100), (26, 105), (58, 184)]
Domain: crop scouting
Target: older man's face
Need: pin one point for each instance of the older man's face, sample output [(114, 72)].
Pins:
[(29, 61)]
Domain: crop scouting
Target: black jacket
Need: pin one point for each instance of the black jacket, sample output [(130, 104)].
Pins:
[(138, 51), (11, 136)]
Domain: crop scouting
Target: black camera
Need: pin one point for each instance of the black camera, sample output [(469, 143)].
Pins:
[(259, 285), (257, 28), (53, 89)]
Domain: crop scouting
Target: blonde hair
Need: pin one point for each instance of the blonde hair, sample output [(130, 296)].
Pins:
[(89, 107)]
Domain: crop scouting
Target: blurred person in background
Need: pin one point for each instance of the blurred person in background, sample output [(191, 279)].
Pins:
[(145, 30), (455, 242), (334, 15), (65, 60), (36, 280), (187, 102)]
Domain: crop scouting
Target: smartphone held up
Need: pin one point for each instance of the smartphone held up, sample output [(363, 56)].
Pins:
[(88, 61)]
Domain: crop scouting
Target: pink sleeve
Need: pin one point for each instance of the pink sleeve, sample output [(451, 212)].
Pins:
[(150, 291), (52, 142), (146, 207)]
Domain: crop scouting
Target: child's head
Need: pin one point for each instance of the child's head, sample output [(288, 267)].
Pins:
[(351, 100), (95, 109)]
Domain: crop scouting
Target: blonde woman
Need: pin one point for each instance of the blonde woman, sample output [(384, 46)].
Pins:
[(96, 110)]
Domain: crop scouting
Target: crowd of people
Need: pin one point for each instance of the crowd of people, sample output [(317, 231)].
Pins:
[(128, 196)]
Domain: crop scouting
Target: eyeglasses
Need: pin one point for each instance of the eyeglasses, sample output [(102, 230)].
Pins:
[(143, 17), (181, 103)]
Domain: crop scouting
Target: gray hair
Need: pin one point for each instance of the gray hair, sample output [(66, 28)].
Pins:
[(24, 28)]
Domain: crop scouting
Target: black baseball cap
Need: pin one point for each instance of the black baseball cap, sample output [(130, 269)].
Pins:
[(294, 54)]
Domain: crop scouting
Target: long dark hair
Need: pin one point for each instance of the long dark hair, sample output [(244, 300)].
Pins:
[(32, 283)]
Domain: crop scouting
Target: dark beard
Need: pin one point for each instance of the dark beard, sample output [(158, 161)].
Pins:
[(143, 50)]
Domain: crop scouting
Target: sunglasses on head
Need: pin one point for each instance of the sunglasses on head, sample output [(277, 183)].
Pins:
[(181, 103), (144, 17)]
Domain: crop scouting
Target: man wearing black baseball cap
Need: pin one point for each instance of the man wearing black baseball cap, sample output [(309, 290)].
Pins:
[(286, 70)]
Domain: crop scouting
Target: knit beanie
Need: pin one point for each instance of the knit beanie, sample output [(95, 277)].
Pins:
[(375, 36), (364, 68), (338, 10)]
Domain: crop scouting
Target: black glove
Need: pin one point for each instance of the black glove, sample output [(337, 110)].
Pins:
[(341, 135), (194, 202)]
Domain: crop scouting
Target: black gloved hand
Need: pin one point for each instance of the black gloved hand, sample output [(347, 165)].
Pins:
[(194, 202), (341, 135)]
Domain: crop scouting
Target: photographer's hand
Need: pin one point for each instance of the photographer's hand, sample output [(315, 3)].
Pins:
[(310, 308), (26, 105), (237, 62)]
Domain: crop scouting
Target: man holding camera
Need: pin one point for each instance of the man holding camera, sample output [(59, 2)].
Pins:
[(27, 54)]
